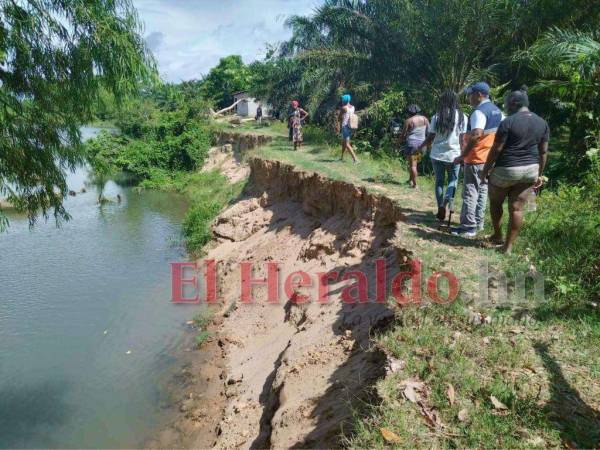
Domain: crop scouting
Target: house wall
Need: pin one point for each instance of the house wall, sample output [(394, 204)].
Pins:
[(247, 108), (242, 109)]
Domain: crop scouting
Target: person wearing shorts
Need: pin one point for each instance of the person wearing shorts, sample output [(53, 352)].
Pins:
[(346, 110), (414, 132), (515, 165)]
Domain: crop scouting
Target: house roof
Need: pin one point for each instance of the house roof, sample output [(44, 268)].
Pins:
[(239, 92)]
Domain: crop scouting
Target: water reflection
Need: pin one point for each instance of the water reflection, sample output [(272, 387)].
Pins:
[(73, 301)]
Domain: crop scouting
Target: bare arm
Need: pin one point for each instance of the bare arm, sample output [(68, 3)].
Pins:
[(428, 141), (495, 152), (406, 129), (474, 137), (543, 152), (338, 125)]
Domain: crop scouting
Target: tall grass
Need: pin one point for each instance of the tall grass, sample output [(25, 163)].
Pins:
[(209, 193), (563, 240)]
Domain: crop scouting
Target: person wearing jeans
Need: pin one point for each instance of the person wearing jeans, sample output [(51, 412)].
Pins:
[(443, 137), (482, 127), (472, 214), (444, 170)]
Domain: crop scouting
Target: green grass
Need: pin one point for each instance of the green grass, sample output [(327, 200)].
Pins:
[(201, 338), (439, 347), (209, 193), (203, 318), (275, 128), (201, 321)]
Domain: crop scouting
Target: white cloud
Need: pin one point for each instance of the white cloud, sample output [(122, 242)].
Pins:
[(188, 37)]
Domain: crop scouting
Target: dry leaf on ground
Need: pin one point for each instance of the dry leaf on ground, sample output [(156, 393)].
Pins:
[(450, 393), (498, 404), (431, 416), (463, 415), (390, 436), (411, 390)]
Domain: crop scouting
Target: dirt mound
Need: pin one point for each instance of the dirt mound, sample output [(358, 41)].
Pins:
[(321, 196)]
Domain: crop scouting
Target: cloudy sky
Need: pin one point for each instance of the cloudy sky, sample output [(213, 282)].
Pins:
[(188, 37)]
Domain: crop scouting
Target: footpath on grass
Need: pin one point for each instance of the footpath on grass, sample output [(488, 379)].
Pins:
[(484, 370)]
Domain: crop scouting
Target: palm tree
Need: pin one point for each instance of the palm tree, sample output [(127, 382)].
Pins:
[(567, 63)]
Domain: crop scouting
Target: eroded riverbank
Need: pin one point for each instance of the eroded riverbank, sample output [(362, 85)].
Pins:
[(289, 374)]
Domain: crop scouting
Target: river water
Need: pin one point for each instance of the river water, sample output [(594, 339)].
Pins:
[(88, 336)]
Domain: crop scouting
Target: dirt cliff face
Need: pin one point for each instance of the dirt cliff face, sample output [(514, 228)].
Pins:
[(241, 142), (296, 369), (320, 196)]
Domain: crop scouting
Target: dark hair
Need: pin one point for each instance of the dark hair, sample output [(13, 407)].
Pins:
[(413, 109), (446, 113), (519, 98)]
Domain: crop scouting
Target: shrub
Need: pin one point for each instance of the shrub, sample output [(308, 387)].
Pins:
[(209, 192), (563, 239), (202, 337)]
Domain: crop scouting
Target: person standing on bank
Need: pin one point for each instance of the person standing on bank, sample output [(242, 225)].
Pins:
[(346, 111), (298, 116), (415, 129), (515, 165), (259, 114), (482, 127), (443, 137)]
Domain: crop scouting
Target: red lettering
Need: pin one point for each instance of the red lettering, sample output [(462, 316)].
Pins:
[(432, 287), (324, 278), (360, 287), (178, 282), (293, 282), (272, 282), (380, 281), (210, 276), (398, 284)]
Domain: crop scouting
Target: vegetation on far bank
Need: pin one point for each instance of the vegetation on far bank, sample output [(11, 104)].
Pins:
[(56, 58), (164, 138)]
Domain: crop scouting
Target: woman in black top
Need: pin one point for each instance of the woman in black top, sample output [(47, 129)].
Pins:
[(515, 165)]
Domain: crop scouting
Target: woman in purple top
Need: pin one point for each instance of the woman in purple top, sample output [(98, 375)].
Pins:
[(414, 133)]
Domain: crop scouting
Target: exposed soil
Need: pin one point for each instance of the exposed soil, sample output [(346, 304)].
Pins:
[(289, 374), (296, 369), (227, 161)]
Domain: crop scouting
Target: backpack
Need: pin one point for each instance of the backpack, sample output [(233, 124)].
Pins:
[(354, 121), (395, 127)]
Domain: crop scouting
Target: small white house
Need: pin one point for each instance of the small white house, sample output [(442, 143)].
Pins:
[(248, 105)]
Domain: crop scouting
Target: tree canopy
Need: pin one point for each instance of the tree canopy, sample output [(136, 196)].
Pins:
[(226, 78), (55, 57), (379, 49)]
